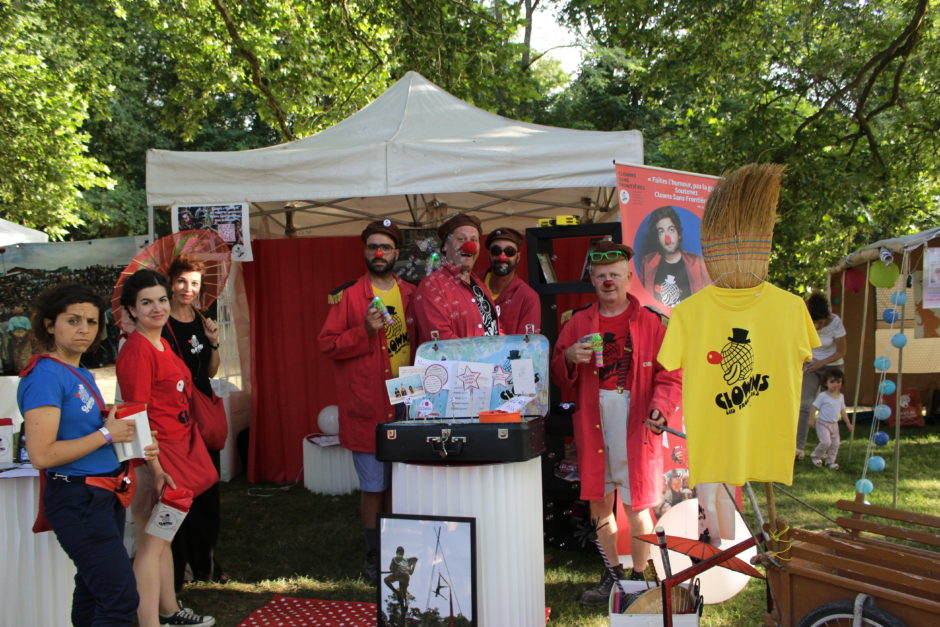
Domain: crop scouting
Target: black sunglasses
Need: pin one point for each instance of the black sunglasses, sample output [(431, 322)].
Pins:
[(509, 251)]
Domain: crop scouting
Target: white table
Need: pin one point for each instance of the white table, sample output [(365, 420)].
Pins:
[(506, 500), (38, 576)]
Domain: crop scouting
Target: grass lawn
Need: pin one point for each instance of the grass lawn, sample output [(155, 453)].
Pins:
[(285, 540)]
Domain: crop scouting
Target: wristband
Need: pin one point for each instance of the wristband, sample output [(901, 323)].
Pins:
[(107, 434), (215, 348)]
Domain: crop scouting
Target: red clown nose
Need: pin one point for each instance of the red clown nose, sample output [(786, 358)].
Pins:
[(668, 240), (502, 257), (609, 283), (378, 253), (470, 247)]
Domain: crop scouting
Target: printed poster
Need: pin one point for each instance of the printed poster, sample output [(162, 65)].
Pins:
[(229, 221), (931, 278), (661, 213)]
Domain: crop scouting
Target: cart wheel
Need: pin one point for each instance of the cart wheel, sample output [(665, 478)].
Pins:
[(839, 614)]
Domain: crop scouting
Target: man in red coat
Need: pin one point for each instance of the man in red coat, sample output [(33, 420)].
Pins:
[(517, 303), (452, 300), (367, 351), (614, 403)]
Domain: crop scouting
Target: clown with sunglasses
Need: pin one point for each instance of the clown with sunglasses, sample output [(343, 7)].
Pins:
[(518, 304)]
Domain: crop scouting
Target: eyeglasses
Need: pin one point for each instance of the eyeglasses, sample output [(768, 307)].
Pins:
[(385, 248), (509, 251), (611, 255)]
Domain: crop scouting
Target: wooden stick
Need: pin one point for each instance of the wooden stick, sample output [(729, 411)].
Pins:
[(771, 504)]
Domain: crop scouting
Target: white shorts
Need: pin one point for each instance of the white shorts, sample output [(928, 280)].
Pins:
[(615, 408)]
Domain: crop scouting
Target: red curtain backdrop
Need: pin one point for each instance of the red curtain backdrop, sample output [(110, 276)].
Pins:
[(287, 285)]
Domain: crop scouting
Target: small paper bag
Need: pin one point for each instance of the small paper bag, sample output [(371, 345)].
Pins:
[(135, 448), (169, 512)]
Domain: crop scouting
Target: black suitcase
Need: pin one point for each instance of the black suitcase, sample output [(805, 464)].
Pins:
[(453, 439)]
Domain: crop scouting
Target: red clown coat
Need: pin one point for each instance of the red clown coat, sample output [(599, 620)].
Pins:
[(362, 361), (518, 306), (652, 387), (444, 303), (694, 267)]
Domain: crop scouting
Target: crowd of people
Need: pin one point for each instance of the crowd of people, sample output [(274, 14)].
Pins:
[(18, 290), (171, 353)]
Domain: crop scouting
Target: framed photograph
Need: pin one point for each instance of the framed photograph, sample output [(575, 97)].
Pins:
[(427, 570), (230, 222)]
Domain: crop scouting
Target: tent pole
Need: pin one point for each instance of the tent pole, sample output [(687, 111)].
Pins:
[(150, 225), (861, 348), (906, 274)]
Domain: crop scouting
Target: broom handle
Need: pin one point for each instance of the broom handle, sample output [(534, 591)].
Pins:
[(771, 504)]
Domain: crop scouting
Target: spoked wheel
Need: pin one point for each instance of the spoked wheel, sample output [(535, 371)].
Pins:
[(840, 613)]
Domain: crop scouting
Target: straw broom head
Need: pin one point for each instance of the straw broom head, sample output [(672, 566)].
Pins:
[(738, 225)]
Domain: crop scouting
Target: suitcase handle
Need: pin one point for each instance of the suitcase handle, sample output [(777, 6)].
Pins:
[(446, 445)]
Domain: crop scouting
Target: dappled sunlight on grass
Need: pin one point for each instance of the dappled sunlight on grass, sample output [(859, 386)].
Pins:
[(291, 542)]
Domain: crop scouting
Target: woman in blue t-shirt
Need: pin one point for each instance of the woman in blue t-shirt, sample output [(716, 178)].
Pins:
[(68, 436)]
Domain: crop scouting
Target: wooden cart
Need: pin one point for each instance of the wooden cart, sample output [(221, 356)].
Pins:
[(822, 578), (821, 575)]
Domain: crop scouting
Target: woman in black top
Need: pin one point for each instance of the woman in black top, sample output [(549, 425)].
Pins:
[(195, 338)]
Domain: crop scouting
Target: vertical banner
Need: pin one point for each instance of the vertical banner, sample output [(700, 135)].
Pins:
[(229, 221), (661, 213), (661, 216)]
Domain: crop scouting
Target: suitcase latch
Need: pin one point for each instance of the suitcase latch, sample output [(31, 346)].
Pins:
[(391, 434), (446, 444), (502, 434)]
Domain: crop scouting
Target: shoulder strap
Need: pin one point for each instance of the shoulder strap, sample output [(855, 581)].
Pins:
[(92, 389)]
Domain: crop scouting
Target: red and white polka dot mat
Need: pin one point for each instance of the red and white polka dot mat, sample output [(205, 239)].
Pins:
[(283, 611)]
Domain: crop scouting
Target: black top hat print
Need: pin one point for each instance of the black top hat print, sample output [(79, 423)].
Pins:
[(739, 336)]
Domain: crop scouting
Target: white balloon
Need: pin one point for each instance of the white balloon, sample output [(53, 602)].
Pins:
[(718, 584), (328, 420)]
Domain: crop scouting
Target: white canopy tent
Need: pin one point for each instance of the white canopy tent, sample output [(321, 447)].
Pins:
[(12, 233), (417, 155)]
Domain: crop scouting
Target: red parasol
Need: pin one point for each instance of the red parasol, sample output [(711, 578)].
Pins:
[(202, 245), (698, 550)]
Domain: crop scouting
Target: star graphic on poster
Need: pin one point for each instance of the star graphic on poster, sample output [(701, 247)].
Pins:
[(501, 377), (469, 378)]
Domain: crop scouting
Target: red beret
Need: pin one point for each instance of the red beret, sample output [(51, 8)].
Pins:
[(459, 220), (608, 246), (385, 227), (512, 235)]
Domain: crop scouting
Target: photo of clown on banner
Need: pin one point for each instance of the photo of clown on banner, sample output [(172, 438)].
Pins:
[(661, 216)]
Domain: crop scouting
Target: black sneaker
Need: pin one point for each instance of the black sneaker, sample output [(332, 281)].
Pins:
[(600, 594), (185, 616), (370, 568)]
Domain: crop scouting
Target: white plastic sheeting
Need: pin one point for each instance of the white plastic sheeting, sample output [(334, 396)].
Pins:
[(12, 233), (37, 587)]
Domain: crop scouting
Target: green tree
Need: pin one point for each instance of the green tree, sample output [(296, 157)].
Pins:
[(844, 93), (50, 79)]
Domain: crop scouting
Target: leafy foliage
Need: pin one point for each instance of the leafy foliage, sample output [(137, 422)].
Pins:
[(843, 92)]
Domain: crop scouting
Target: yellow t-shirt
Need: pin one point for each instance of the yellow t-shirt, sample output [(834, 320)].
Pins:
[(399, 350), (741, 352)]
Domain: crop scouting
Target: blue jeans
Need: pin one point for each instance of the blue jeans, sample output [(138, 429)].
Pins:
[(89, 524)]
